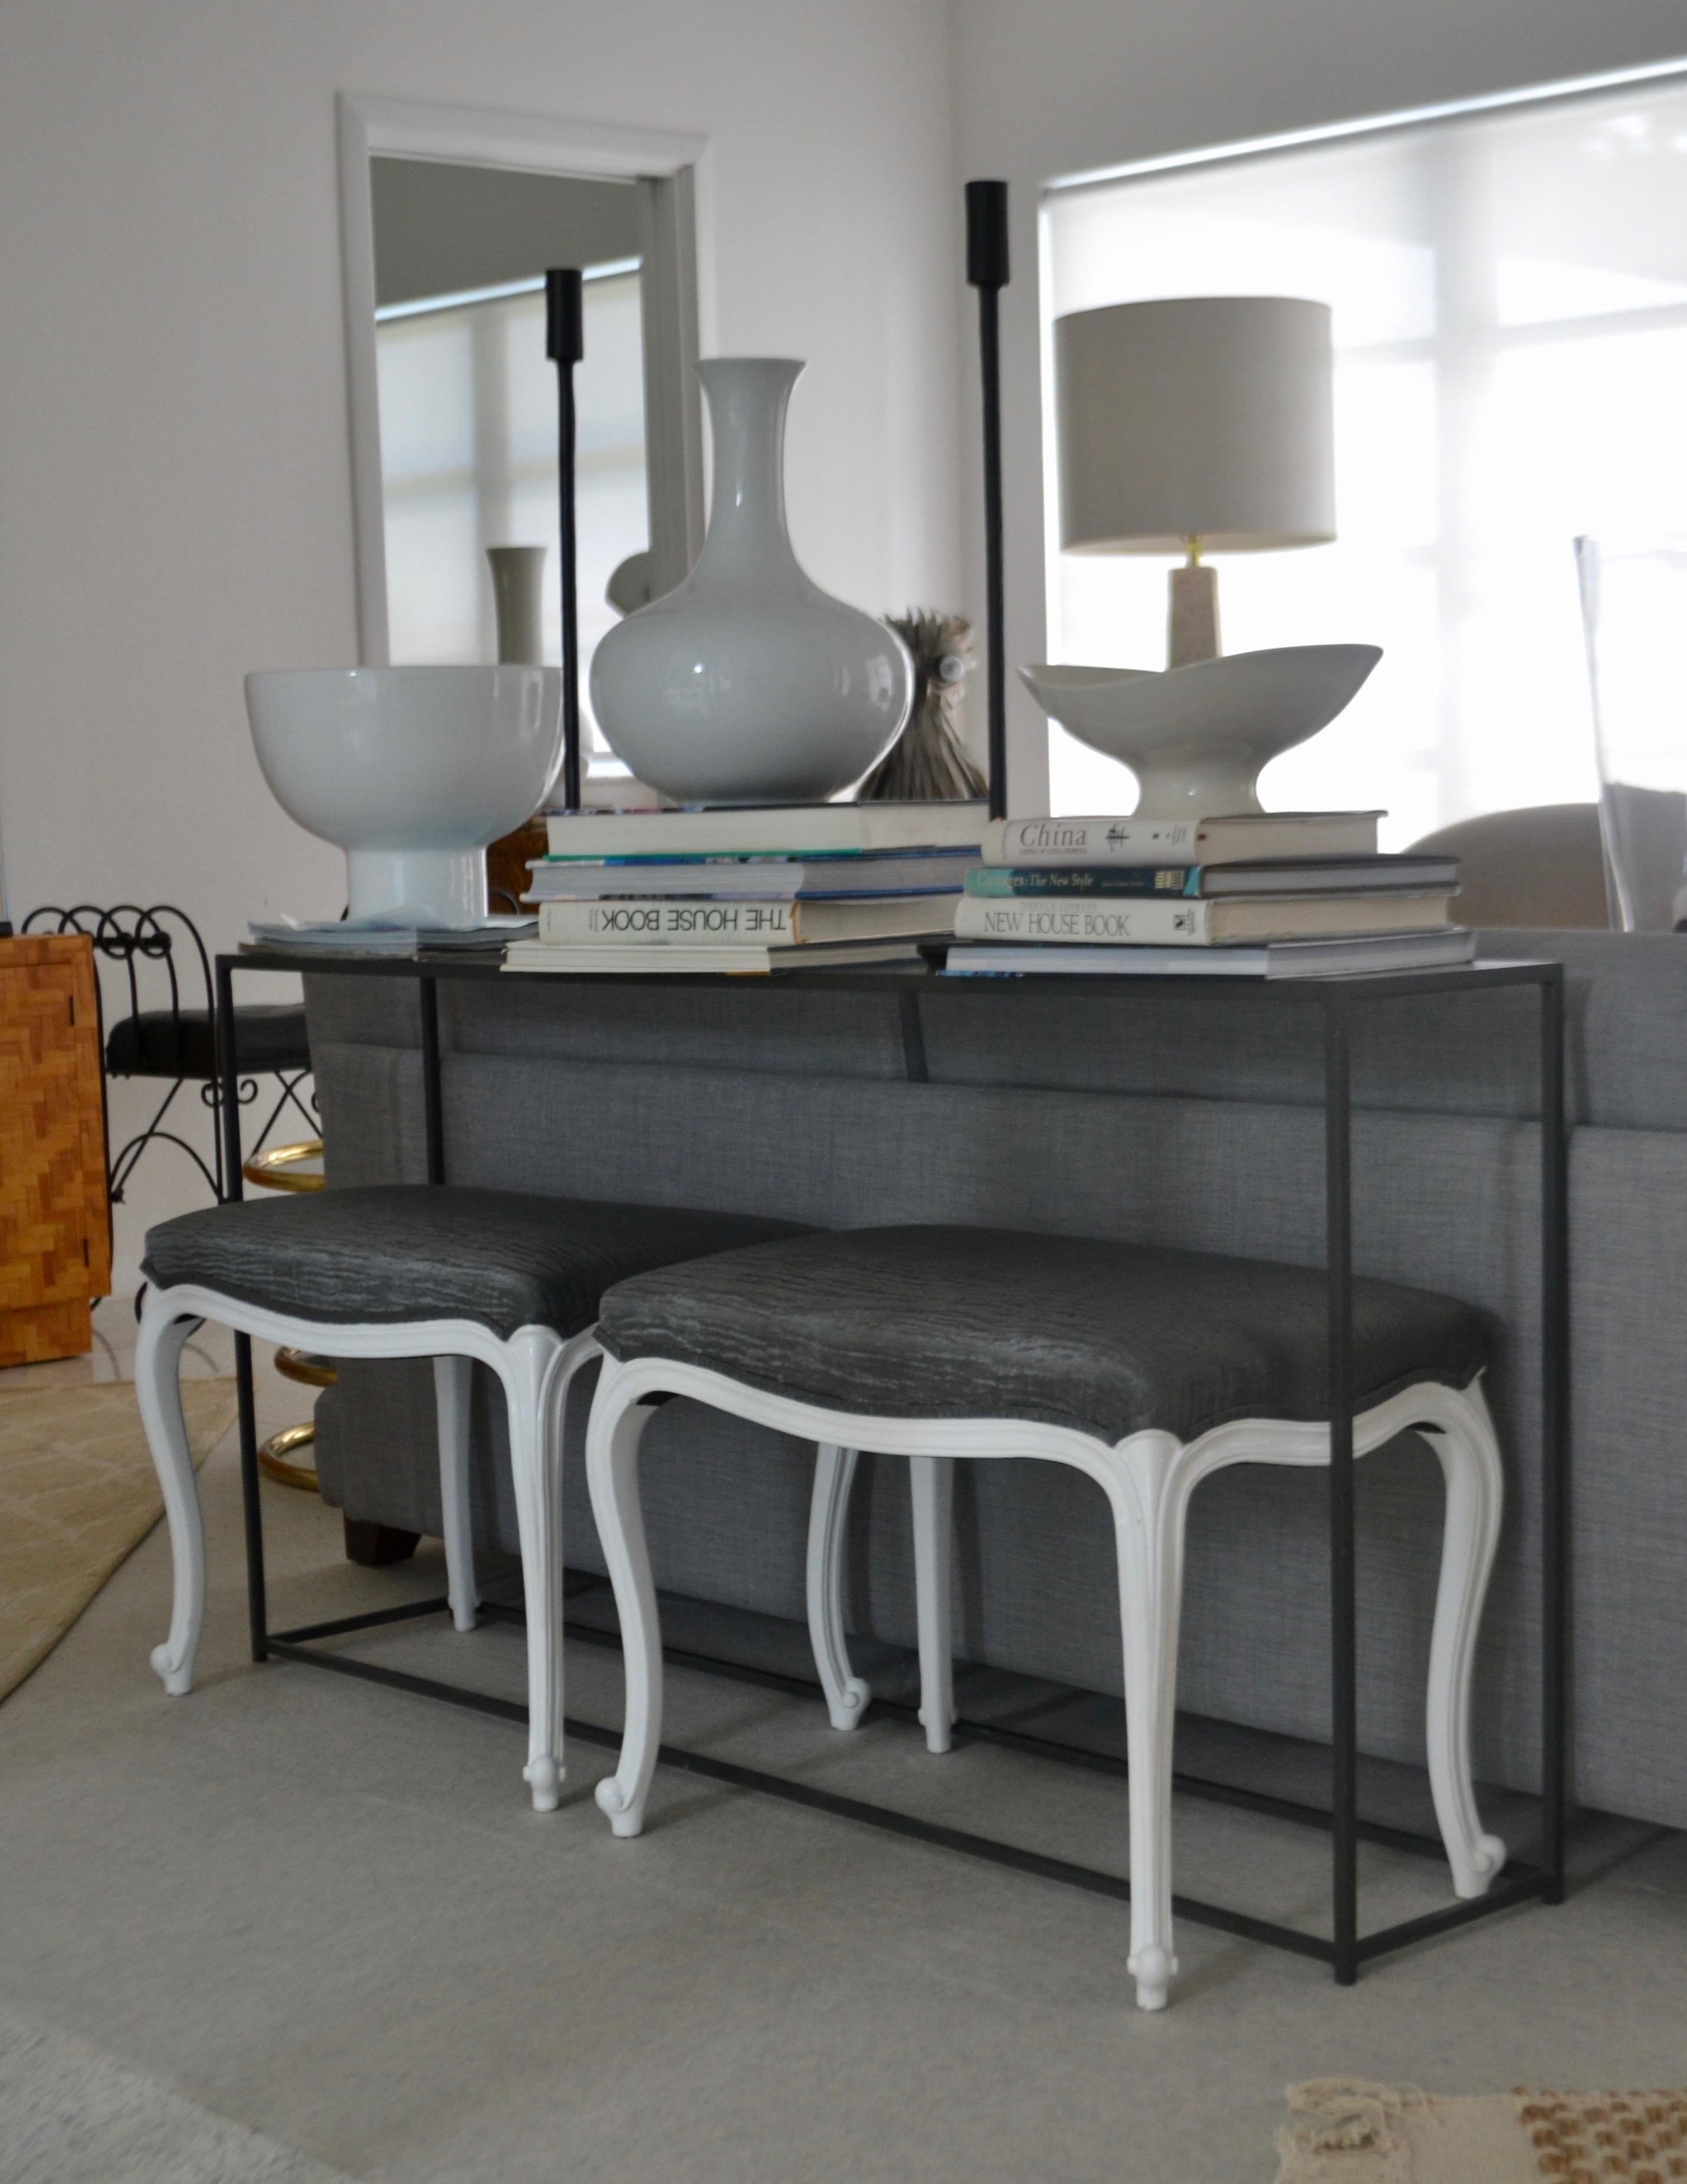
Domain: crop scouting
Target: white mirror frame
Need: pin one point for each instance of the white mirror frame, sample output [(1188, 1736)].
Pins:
[(678, 302)]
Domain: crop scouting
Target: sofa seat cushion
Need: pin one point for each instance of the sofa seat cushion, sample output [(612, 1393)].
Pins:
[(408, 1251), (1108, 1338), (182, 1043)]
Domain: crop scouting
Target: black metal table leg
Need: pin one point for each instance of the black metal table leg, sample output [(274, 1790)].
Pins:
[(1344, 1675), (433, 1112), (228, 1121), (1554, 1404)]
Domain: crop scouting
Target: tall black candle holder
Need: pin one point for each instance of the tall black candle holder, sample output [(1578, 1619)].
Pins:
[(565, 345), (986, 271)]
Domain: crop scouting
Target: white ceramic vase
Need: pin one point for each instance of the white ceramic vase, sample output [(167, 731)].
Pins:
[(518, 601), (748, 684)]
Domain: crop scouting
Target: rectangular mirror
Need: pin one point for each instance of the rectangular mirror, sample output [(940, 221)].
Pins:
[(469, 399), (450, 220)]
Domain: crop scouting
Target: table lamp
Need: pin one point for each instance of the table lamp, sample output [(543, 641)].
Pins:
[(1196, 424)]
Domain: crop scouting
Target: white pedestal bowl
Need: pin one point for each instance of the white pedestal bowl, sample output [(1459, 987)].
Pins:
[(1198, 738), (411, 771)]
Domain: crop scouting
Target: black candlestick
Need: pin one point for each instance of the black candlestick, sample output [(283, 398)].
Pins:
[(987, 272), (564, 345)]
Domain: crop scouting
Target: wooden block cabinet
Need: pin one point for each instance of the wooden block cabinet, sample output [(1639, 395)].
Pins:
[(55, 1228)]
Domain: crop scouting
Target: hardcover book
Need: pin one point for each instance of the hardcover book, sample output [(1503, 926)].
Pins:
[(741, 924), (1344, 956), (1182, 922), (1274, 876), (1215, 841), (914, 872), (794, 829)]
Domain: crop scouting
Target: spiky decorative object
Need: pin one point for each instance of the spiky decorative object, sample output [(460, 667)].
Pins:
[(927, 763)]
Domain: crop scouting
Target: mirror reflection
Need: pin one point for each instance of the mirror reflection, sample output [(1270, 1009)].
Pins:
[(469, 399)]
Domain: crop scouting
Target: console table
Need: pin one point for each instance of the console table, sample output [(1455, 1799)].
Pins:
[(1337, 1002)]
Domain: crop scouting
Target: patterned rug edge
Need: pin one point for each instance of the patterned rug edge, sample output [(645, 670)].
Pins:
[(1346, 2130)]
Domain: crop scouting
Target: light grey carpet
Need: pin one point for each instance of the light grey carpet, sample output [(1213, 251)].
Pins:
[(71, 2115)]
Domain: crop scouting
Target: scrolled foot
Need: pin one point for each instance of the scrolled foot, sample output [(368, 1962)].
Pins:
[(851, 1704), (1487, 1860), (544, 1778), (178, 1681), (1154, 1968), (626, 1818)]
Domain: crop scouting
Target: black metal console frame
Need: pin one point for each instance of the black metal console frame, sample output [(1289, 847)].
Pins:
[(1337, 998)]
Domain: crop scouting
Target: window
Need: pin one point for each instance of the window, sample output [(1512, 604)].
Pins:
[(1510, 296), (468, 459)]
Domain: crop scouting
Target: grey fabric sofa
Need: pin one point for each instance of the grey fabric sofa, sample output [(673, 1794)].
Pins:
[(1138, 1115)]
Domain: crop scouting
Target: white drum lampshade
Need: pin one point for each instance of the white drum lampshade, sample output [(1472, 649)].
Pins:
[(1195, 423)]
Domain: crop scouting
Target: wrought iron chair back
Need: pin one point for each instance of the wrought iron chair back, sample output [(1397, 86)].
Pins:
[(160, 954)]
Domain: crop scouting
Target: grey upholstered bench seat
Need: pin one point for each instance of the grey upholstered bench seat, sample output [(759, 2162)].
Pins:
[(410, 1251), (1109, 1339)]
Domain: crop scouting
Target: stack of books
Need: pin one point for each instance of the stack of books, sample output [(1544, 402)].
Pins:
[(1278, 895), (747, 887)]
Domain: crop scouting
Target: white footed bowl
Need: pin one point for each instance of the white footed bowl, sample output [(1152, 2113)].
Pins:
[(411, 771), (1198, 738)]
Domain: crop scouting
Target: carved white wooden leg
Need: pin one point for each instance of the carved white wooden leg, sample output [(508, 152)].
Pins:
[(453, 1379), (931, 1487), (158, 1354), (1149, 1502), (530, 1370), (612, 1442), (834, 1473), (1469, 1451)]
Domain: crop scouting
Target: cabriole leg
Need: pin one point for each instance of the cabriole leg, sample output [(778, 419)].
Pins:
[(931, 1487), (1469, 1453), (846, 1694), (453, 1379), (612, 1442), (158, 1390), (1147, 1515), (530, 1370)]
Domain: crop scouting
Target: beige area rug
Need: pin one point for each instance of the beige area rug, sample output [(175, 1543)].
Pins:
[(78, 1493), (71, 2114), (1342, 2132)]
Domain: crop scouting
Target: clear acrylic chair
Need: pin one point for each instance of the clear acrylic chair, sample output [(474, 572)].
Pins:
[(1633, 599)]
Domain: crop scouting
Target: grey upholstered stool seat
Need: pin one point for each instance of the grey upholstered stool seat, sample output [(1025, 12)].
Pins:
[(1107, 1338), (395, 1252), (1147, 1370), (461, 1277)]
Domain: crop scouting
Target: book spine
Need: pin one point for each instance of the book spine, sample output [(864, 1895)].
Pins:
[(1075, 842), (1156, 880), (1172, 923), (718, 924)]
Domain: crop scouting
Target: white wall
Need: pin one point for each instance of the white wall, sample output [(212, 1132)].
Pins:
[(1045, 89), (176, 504)]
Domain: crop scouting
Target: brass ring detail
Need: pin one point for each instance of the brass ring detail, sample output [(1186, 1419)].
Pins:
[(273, 1170), (272, 1459), (305, 1366)]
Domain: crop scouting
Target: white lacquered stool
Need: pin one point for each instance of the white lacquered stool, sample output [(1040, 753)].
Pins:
[(403, 1270), (1146, 1369)]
